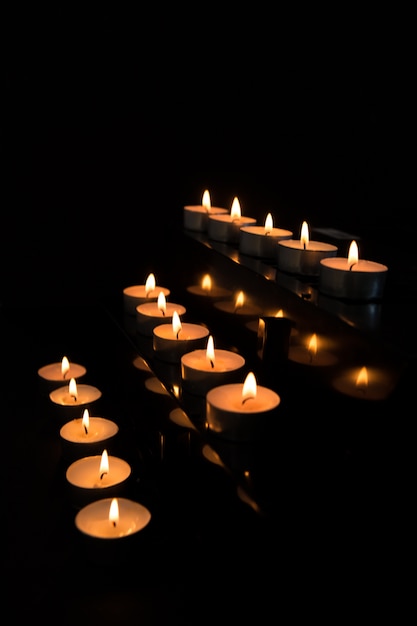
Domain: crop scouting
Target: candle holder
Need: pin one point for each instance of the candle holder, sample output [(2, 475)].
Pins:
[(68, 406)]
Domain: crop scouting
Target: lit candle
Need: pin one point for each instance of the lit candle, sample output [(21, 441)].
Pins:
[(97, 476), (87, 435), (69, 400), (56, 374), (364, 383), (261, 241), (241, 306), (352, 278), (152, 314), (302, 256), (139, 294), (196, 216), (312, 354), (112, 518), (208, 290), (226, 227), (204, 369), (171, 341), (241, 412)]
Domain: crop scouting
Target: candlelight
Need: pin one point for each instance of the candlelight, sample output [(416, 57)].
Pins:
[(210, 351), (206, 202), (305, 236), (150, 284), (235, 211), (249, 387), (362, 379), (86, 421), (104, 464), (64, 366), (176, 324), (206, 283), (162, 303), (240, 300), (312, 345), (279, 313), (73, 389), (353, 256), (269, 224), (114, 512)]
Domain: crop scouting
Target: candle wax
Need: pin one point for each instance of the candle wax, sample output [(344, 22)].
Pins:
[(93, 519)]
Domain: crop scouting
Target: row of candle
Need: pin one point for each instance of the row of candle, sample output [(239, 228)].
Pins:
[(348, 277)]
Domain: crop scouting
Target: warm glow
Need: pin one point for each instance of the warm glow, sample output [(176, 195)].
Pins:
[(240, 300), (206, 282), (64, 366), (235, 211), (305, 236), (210, 350), (176, 323), (362, 379), (280, 313), (162, 303), (114, 512), (353, 255), (206, 202), (73, 389), (86, 420), (249, 387), (104, 463), (312, 345), (150, 283), (269, 224)]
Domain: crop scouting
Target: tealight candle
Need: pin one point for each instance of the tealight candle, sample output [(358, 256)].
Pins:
[(302, 256), (69, 400), (171, 341), (261, 241), (364, 383), (312, 354), (97, 476), (226, 227), (204, 369), (87, 435), (139, 294), (196, 216), (352, 278), (240, 412), (112, 518), (208, 290), (56, 374), (152, 314), (240, 307)]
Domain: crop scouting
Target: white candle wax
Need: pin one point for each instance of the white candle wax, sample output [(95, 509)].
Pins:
[(170, 347), (363, 280), (255, 241), (148, 316), (78, 442), (86, 483), (137, 294), (226, 228), (93, 520), (52, 373), (199, 375), (69, 407), (196, 216), (295, 258)]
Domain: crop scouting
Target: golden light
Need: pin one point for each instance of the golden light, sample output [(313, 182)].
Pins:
[(176, 324), (150, 284), (206, 283), (312, 345), (114, 512), (104, 464), (210, 355), (353, 256), (240, 300), (362, 379), (206, 201), (64, 366), (162, 303), (249, 389), (86, 421), (279, 313), (305, 235), (73, 392), (269, 224), (235, 211)]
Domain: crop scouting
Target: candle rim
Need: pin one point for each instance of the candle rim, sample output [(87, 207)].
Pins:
[(356, 268), (93, 419)]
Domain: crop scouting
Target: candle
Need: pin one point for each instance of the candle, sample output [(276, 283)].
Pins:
[(97, 476), (204, 369), (352, 278), (112, 518), (208, 290), (302, 256), (312, 353), (171, 341), (364, 383), (196, 216), (240, 307), (69, 400), (240, 412), (139, 294), (56, 374), (87, 435), (226, 227), (261, 241), (152, 314)]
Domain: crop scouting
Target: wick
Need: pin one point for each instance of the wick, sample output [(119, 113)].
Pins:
[(267, 233), (304, 246), (101, 475), (65, 375), (211, 363), (74, 398), (114, 524), (86, 430), (178, 333), (248, 398), (163, 312), (354, 263), (311, 356)]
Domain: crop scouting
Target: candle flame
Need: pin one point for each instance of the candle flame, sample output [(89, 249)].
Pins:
[(206, 201), (162, 303), (269, 224), (210, 355), (206, 283), (150, 284), (104, 464), (353, 256), (86, 421), (312, 346), (73, 389), (362, 379), (64, 366), (114, 512), (235, 211), (279, 313), (249, 387), (240, 300), (305, 235), (176, 324)]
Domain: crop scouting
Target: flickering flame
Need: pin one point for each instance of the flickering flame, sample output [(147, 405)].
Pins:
[(353, 256), (210, 356), (206, 283), (206, 202), (305, 236), (362, 379), (73, 389), (176, 324), (280, 313), (86, 421), (240, 300), (235, 211), (150, 284), (114, 512), (269, 224), (249, 387), (64, 366), (104, 464), (312, 345), (162, 303)]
